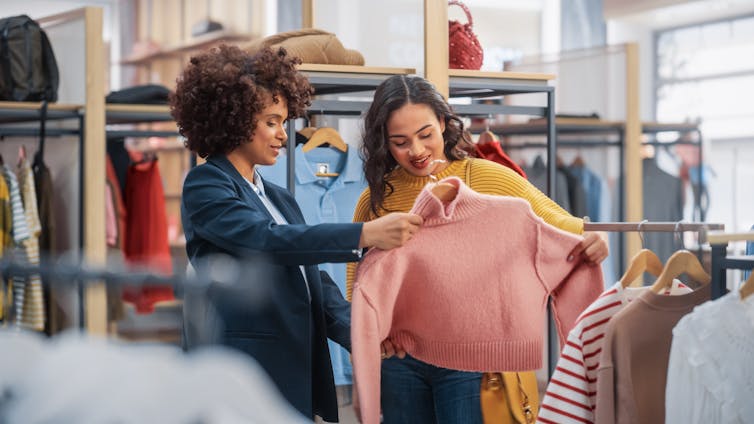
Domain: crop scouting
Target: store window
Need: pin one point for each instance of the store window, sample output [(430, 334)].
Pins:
[(705, 73), (702, 73)]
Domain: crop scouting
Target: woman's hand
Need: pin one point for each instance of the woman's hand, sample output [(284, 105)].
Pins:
[(592, 250), (390, 349), (390, 231)]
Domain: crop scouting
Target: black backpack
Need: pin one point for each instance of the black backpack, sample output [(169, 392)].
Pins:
[(28, 71)]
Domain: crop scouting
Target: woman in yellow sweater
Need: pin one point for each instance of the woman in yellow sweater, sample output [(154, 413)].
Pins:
[(410, 132)]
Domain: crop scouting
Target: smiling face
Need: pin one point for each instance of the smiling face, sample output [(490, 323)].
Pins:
[(269, 134), (415, 139)]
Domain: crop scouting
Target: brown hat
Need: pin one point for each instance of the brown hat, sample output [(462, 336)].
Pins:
[(311, 45)]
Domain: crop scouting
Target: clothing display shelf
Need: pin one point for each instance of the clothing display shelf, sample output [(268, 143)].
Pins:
[(688, 134), (195, 44), (24, 119), (721, 262)]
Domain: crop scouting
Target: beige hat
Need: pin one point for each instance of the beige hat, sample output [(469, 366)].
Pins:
[(311, 45)]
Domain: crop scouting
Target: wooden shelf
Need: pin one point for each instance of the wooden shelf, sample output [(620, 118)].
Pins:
[(466, 73), (195, 43), (344, 79), (562, 125), (353, 69), (11, 112), (655, 127), (38, 105)]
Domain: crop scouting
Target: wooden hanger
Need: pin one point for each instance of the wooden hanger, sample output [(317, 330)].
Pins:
[(445, 191), (644, 261), (21, 154), (747, 288), (487, 137), (325, 135), (307, 132), (578, 161), (681, 262)]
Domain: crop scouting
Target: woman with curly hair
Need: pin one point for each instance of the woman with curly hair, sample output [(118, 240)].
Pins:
[(232, 107), (410, 133)]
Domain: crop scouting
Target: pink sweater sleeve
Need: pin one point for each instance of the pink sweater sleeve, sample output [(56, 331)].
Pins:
[(573, 286), (378, 281), (365, 349)]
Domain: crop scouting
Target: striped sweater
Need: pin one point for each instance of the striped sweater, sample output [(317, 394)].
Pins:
[(480, 175), (571, 393)]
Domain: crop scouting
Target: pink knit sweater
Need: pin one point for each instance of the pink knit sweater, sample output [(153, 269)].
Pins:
[(468, 292)]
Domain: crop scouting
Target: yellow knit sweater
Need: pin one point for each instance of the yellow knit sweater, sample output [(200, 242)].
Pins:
[(484, 176)]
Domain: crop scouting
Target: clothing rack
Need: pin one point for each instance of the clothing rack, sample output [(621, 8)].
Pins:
[(663, 227), (721, 262), (657, 227), (78, 274), (17, 114)]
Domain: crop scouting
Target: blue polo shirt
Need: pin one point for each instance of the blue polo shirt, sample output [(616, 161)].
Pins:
[(325, 200)]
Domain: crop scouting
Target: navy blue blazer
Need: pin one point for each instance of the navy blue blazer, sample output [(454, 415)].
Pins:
[(274, 321)]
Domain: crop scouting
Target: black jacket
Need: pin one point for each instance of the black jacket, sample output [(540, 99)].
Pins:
[(269, 315)]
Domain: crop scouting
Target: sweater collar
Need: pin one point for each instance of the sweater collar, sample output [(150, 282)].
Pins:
[(678, 302), (399, 175), (436, 212)]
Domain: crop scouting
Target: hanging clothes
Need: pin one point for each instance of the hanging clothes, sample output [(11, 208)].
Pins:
[(6, 242), (121, 161), (576, 195), (325, 200), (45, 191), (709, 372), (537, 175), (118, 224), (571, 393), (147, 234), (21, 234), (34, 303), (663, 202), (635, 354), (494, 152), (598, 208), (749, 251)]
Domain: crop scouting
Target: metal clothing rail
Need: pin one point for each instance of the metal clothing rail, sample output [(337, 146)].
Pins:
[(721, 262), (78, 275), (661, 227)]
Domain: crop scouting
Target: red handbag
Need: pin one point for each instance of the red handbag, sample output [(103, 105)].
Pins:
[(465, 50)]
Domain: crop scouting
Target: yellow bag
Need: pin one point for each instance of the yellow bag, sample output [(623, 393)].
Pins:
[(509, 397)]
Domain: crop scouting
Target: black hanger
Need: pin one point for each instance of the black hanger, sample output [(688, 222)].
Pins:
[(39, 155)]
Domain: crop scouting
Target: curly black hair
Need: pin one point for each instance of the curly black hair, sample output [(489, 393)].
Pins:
[(222, 89), (391, 95)]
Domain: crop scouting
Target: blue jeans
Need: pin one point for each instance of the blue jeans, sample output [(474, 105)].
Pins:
[(419, 393)]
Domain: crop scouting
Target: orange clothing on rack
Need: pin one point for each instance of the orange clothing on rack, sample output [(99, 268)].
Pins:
[(146, 243)]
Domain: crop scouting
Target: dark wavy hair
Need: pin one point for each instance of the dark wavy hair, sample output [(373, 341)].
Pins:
[(391, 95), (222, 89)]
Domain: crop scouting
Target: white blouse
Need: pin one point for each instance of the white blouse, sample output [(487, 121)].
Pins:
[(710, 374)]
